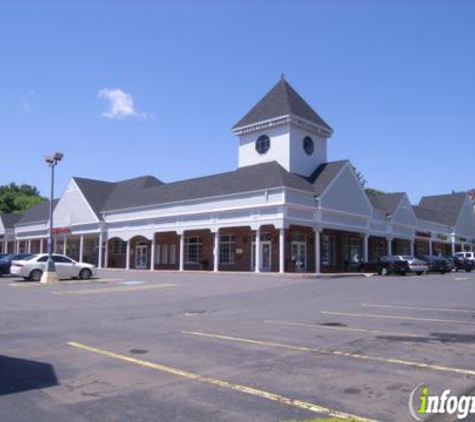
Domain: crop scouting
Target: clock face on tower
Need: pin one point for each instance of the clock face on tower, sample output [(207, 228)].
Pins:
[(308, 145), (262, 144)]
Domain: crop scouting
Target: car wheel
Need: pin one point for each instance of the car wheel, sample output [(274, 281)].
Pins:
[(85, 274), (402, 273), (420, 272), (442, 272), (35, 275), (469, 270)]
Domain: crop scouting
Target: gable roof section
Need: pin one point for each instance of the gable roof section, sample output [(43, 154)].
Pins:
[(387, 202), (426, 214), (38, 213), (324, 175), (245, 179), (447, 207), (281, 100), (9, 220)]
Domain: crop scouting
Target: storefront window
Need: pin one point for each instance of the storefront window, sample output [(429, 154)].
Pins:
[(355, 249), (193, 250), (227, 249)]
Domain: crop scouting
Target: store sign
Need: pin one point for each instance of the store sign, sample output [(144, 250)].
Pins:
[(462, 239), (61, 230), (424, 234), (442, 237)]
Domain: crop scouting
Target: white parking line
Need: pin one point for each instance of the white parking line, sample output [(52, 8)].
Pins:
[(421, 308), (447, 321)]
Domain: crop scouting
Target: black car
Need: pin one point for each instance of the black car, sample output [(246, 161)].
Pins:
[(437, 264), (386, 265), (6, 262), (461, 263)]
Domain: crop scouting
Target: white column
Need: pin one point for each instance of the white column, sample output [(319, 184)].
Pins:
[(5, 246), (257, 254), (182, 252), (127, 255), (99, 258), (65, 243), (81, 248), (318, 265), (42, 241), (412, 247), (216, 251), (366, 248), (152, 254), (390, 245), (17, 243), (281, 251), (431, 250), (29, 246), (453, 246), (106, 254)]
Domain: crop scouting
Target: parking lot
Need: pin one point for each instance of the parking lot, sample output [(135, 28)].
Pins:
[(158, 346)]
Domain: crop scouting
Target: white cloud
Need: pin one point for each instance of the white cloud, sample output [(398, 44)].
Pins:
[(121, 104), (26, 101)]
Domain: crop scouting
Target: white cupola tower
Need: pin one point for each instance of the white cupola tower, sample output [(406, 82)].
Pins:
[(282, 127)]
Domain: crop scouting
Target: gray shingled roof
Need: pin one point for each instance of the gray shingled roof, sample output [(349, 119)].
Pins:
[(447, 207), (281, 100), (387, 202), (9, 220), (426, 214), (244, 179), (324, 175), (37, 213), (97, 192)]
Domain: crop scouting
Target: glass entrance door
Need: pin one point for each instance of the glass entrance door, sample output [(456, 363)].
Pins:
[(299, 256), (141, 252), (266, 256)]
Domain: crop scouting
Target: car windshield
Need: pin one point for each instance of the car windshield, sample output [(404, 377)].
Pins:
[(29, 258), (406, 257)]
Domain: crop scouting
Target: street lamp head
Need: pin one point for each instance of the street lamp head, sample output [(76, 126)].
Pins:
[(58, 156), (49, 159)]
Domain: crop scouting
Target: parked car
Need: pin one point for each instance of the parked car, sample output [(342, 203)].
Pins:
[(32, 268), (467, 255), (390, 265), (6, 261), (437, 264), (3, 255), (417, 266), (462, 263)]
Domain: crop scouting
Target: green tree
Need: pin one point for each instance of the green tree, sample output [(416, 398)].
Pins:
[(372, 191), (15, 199)]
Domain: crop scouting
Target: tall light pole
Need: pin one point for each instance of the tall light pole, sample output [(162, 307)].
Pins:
[(50, 276)]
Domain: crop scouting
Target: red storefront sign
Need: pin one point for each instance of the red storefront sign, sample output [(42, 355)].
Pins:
[(61, 230)]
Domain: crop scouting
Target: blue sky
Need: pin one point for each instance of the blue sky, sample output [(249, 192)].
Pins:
[(395, 80)]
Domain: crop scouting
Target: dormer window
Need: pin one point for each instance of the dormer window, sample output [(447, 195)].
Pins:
[(262, 144), (308, 145)]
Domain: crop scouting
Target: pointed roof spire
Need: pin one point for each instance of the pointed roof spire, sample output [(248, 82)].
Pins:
[(281, 100)]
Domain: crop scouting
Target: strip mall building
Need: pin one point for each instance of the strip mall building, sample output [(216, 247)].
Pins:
[(285, 209)]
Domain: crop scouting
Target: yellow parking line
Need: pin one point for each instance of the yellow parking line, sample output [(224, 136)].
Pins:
[(114, 289), (356, 330), (398, 317), (421, 308), (224, 384), (334, 353)]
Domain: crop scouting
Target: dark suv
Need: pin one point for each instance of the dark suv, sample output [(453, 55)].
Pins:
[(461, 263), (6, 262), (437, 264)]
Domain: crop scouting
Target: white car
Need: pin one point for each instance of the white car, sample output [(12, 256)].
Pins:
[(416, 265), (465, 255), (32, 268)]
